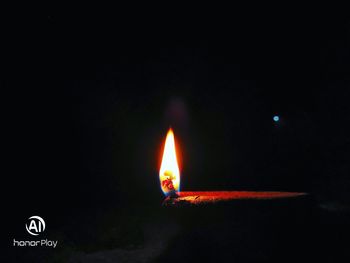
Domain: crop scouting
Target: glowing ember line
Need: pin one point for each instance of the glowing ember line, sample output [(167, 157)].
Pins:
[(201, 198)]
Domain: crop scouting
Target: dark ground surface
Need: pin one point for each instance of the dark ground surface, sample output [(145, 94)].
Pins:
[(287, 230)]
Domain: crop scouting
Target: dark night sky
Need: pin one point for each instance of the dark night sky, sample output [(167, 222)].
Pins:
[(89, 101)]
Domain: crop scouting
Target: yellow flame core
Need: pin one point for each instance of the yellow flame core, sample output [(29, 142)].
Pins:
[(169, 174)]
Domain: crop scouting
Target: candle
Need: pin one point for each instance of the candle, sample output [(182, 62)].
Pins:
[(169, 176)]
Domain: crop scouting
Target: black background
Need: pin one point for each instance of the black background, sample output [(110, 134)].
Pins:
[(89, 99)]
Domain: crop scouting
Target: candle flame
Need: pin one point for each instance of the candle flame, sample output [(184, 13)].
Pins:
[(169, 174)]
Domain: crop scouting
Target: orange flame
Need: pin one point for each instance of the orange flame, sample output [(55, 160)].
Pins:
[(169, 174)]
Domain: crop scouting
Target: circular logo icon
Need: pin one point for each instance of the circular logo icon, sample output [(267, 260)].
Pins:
[(36, 225)]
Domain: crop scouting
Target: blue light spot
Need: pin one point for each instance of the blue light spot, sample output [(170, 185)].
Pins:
[(276, 118)]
